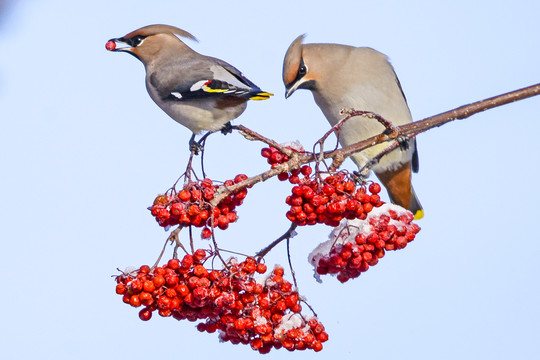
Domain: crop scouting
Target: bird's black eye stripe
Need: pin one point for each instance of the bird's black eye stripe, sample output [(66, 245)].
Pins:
[(136, 40)]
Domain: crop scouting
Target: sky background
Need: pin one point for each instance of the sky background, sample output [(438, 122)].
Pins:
[(84, 151)]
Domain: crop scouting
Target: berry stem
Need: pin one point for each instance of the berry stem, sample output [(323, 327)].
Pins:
[(287, 235), (171, 238), (290, 265), (252, 135)]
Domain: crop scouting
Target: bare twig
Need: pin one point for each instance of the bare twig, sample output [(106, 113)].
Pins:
[(364, 170), (461, 112), (288, 234), (173, 237), (252, 135), (290, 264)]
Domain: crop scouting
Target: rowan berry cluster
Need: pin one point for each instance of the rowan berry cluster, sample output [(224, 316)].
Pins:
[(276, 157), (355, 245), (331, 200), (191, 206), (264, 313)]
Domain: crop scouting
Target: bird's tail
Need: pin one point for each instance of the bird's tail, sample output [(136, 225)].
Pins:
[(398, 184), (260, 96), (415, 207)]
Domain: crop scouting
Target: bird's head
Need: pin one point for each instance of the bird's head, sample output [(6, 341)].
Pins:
[(146, 42), (297, 72)]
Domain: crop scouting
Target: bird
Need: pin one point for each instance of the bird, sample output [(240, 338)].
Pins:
[(344, 77), (200, 92)]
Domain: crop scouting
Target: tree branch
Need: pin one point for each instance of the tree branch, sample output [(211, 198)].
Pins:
[(461, 112), (409, 130)]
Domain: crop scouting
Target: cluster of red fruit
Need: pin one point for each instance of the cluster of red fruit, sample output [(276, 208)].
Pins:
[(191, 206), (276, 157), (356, 245), (336, 198), (264, 313)]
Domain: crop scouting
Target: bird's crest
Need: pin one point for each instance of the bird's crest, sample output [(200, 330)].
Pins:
[(292, 60), (160, 29)]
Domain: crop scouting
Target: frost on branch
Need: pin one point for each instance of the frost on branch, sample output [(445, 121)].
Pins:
[(355, 245)]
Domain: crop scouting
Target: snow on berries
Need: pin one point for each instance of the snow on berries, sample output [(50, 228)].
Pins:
[(262, 312), (314, 201), (191, 206), (357, 244)]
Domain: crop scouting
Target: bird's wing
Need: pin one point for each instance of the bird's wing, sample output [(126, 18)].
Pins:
[(203, 79)]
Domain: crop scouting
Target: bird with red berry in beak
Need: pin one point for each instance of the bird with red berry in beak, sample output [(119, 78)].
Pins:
[(200, 92)]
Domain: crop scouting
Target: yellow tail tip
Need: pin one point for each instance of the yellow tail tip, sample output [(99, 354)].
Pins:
[(419, 214), (261, 96)]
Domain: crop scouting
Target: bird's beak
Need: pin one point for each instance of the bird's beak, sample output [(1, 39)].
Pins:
[(302, 83), (113, 45), (290, 89)]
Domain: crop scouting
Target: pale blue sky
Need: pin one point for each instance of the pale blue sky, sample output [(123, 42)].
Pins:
[(83, 152)]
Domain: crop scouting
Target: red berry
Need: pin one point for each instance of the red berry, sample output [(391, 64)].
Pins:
[(266, 152), (283, 176), (145, 314), (374, 188), (261, 268), (206, 233), (173, 264), (110, 45), (135, 301), (121, 289), (239, 178), (306, 170), (199, 255), (184, 195)]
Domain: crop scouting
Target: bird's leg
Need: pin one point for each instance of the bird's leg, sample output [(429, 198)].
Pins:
[(194, 146), (227, 128)]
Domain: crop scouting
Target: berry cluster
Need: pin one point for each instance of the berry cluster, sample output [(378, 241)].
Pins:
[(356, 245), (276, 157), (264, 313), (328, 203), (191, 206)]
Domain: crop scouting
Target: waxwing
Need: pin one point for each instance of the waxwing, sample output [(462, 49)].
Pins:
[(342, 77), (200, 92)]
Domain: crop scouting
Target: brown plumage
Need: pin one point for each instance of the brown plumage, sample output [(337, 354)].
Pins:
[(200, 92), (341, 76)]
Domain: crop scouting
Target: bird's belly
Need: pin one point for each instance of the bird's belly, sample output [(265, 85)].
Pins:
[(199, 118)]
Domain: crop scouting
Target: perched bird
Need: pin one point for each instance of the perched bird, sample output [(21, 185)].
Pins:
[(200, 92), (341, 76)]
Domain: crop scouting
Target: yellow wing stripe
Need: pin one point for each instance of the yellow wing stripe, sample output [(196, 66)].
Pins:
[(208, 89)]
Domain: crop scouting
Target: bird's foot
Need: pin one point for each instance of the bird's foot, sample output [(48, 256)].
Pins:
[(227, 128), (360, 177), (403, 142), (196, 146)]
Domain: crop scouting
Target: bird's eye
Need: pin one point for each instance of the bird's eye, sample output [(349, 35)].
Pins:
[(136, 40), (302, 70)]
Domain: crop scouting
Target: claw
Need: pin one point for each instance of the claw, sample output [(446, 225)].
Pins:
[(227, 128), (194, 146), (360, 177), (403, 143)]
